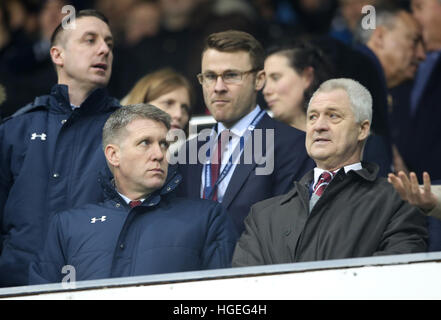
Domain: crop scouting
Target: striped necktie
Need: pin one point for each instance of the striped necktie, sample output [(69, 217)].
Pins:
[(323, 181)]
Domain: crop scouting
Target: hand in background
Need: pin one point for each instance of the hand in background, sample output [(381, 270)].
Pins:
[(412, 192)]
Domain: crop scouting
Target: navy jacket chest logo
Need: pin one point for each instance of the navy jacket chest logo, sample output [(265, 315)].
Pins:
[(94, 219), (42, 136)]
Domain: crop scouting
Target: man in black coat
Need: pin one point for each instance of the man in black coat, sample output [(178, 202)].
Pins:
[(341, 209)]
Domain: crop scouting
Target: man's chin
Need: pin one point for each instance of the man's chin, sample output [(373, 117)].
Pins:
[(319, 155), (101, 81)]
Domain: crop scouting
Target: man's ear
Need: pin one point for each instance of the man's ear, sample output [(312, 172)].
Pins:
[(260, 80), (308, 76), (112, 153), (365, 127), (57, 55), (377, 39)]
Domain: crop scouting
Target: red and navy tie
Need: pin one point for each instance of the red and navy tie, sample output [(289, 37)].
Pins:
[(323, 181)]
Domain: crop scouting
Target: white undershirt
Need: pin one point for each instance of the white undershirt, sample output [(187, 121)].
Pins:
[(318, 171), (127, 200)]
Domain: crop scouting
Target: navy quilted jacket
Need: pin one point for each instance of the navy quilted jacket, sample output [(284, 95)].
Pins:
[(110, 239), (50, 156)]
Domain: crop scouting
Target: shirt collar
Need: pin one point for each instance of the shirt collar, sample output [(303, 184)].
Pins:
[(354, 166), (127, 200), (242, 125)]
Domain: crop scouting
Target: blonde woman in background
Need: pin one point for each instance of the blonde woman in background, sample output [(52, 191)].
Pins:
[(168, 90)]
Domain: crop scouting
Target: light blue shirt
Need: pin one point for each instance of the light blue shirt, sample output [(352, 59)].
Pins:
[(237, 131)]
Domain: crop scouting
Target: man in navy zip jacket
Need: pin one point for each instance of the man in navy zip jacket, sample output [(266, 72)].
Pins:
[(50, 150), (142, 227)]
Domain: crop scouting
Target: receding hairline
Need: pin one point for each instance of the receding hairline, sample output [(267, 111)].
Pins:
[(61, 33), (330, 91), (232, 41), (241, 51), (360, 99), (119, 132), (122, 117)]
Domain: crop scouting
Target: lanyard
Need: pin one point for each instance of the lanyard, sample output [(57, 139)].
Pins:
[(209, 187)]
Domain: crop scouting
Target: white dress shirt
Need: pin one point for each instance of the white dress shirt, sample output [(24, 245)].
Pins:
[(237, 131), (318, 171), (127, 200)]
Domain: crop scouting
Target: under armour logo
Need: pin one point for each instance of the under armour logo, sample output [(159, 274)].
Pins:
[(102, 219), (41, 136)]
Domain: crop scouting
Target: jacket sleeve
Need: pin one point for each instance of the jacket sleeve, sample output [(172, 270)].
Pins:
[(249, 251), (5, 174), (406, 231), (436, 212), (221, 239), (50, 263)]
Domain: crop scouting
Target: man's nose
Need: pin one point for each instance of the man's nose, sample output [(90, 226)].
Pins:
[(321, 124), (104, 48), (220, 84), (158, 152)]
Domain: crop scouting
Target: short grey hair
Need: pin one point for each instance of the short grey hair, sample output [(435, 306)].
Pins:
[(384, 18), (126, 114), (359, 97)]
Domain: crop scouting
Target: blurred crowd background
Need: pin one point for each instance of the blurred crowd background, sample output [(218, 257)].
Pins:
[(153, 34)]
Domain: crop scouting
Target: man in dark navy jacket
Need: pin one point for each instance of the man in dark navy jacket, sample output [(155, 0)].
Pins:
[(142, 227), (394, 49), (263, 156), (417, 128), (50, 152)]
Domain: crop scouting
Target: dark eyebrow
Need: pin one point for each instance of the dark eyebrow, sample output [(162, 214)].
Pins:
[(94, 34), (228, 70), (89, 33), (232, 70)]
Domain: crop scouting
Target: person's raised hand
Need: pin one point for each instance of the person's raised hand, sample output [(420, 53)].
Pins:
[(411, 191)]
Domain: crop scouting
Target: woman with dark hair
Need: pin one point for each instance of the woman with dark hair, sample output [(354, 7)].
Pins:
[(293, 73)]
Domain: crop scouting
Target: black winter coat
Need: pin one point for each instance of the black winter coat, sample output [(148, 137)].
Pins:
[(358, 215)]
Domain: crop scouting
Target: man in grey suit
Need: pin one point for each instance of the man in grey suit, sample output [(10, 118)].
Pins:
[(341, 209)]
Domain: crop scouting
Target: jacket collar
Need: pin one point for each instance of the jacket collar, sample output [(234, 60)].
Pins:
[(97, 102), (368, 173), (172, 182), (58, 101)]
